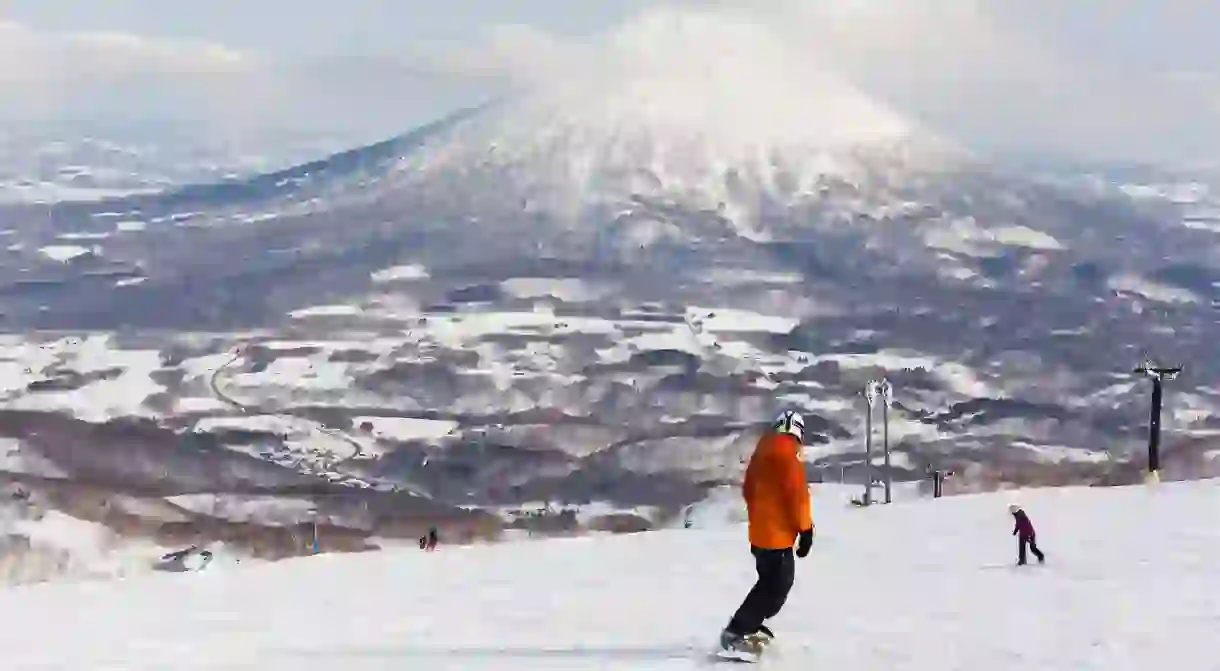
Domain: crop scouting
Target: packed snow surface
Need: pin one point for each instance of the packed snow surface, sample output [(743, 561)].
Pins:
[(1130, 583)]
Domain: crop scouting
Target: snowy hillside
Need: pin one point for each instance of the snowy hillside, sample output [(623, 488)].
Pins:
[(1130, 584), (48, 162), (591, 294), (38, 543)]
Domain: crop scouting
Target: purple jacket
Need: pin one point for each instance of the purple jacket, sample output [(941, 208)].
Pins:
[(1024, 526)]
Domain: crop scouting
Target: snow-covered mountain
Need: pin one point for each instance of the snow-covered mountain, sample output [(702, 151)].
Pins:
[(54, 162), (593, 292), (917, 585)]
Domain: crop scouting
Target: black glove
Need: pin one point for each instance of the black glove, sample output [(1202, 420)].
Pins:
[(804, 542)]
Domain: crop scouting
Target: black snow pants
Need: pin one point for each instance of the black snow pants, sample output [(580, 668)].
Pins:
[(776, 571), (1032, 543)]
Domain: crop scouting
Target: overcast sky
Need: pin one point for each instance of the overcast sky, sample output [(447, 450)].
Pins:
[(1130, 78)]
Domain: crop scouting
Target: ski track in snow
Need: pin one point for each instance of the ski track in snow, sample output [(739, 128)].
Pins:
[(1130, 584)]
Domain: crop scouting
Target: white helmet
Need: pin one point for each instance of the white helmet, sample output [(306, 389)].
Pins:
[(790, 422), (1013, 508)]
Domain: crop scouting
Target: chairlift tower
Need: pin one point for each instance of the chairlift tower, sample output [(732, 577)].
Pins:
[(874, 390), (886, 391), (1158, 375), (870, 395)]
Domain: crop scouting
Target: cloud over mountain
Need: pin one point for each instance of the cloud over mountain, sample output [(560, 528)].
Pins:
[(986, 73)]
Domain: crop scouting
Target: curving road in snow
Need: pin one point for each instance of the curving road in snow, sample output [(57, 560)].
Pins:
[(358, 450), (219, 393)]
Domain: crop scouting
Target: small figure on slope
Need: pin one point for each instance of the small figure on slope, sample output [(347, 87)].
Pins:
[(1026, 537), (777, 503), (428, 542)]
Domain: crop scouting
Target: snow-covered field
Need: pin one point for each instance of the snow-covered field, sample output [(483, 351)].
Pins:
[(925, 584)]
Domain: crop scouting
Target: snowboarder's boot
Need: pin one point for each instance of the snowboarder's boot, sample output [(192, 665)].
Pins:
[(765, 632), (750, 644), (729, 640)]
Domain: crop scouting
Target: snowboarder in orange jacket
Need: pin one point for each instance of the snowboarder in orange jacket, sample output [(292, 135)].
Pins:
[(777, 501)]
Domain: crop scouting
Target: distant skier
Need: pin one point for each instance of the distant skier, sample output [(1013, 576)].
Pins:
[(777, 502), (1026, 537), (428, 542)]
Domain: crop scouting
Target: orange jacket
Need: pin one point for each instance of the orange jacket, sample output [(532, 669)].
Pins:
[(777, 498)]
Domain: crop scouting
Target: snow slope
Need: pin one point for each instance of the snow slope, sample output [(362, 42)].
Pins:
[(925, 584), (40, 545)]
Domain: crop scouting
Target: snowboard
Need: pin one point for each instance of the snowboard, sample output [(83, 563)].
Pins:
[(735, 657)]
